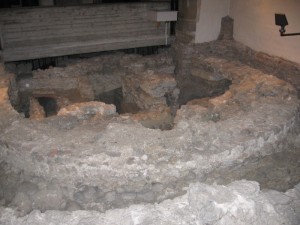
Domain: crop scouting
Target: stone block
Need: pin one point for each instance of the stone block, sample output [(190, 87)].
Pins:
[(159, 118), (87, 109), (226, 32), (36, 111), (158, 85), (211, 76)]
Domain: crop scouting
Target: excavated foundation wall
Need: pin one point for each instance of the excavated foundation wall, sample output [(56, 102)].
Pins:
[(232, 50), (88, 157)]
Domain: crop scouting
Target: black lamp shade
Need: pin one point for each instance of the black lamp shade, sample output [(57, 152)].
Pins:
[(280, 20)]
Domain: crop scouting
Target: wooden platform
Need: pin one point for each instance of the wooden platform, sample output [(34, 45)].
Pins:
[(30, 33)]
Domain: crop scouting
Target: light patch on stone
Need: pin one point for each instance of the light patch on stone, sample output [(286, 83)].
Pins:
[(239, 203), (144, 157), (82, 110)]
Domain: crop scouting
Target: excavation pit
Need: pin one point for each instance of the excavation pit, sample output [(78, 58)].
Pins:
[(89, 158)]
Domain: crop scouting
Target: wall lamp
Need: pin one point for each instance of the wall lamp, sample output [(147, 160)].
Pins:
[(280, 20)]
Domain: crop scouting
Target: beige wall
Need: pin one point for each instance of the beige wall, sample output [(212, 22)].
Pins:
[(254, 26), (209, 23)]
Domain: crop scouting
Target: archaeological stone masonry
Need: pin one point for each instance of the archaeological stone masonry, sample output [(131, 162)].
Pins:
[(205, 134)]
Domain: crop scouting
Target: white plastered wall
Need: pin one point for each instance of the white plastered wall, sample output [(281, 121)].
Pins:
[(209, 23), (255, 27)]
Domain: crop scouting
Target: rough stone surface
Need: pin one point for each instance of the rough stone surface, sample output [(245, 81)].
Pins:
[(149, 90), (87, 109), (157, 85), (226, 32), (240, 202), (122, 156), (36, 111), (205, 75), (193, 81), (103, 164), (157, 118), (232, 50), (85, 79)]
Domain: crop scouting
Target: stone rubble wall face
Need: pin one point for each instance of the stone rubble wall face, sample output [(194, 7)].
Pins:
[(240, 202), (134, 158), (120, 162)]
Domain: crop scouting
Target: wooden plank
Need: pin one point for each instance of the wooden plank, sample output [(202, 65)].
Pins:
[(57, 31), (83, 27), (25, 53), (83, 38), (24, 15), (71, 20)]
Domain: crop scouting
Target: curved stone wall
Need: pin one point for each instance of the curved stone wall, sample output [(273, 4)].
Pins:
[(111, 161)]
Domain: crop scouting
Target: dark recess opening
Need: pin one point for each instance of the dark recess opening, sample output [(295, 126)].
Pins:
[(196, 88), (45, 63), (116, 97), (49, 105), (112, 97), (174, 6)]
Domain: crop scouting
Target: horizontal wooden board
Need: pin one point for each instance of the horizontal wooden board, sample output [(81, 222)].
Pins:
[(29, 33)]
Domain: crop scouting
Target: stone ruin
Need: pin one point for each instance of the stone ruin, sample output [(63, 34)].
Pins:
[(127, 139), (131, 82)]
